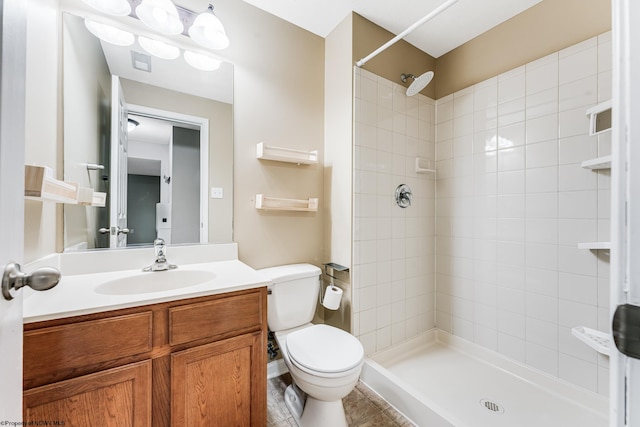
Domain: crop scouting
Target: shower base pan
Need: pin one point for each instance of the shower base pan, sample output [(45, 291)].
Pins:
[(438, 380)]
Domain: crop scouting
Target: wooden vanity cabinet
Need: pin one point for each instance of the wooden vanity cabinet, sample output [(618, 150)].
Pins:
[(196, 362)]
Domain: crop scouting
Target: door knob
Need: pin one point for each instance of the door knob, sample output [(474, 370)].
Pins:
[(115, 229), (42, 279)]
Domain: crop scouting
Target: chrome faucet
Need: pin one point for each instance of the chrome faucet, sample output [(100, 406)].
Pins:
[(161, 263)]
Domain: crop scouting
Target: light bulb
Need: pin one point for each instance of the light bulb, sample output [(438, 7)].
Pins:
[(208, 31), (201, 62), (160, 15), (158, 48), (109, 34)]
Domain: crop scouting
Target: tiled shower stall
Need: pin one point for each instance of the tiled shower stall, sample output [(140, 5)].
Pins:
[(488, 250)]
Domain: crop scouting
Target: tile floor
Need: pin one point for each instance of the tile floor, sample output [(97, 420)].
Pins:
[(364, 408)]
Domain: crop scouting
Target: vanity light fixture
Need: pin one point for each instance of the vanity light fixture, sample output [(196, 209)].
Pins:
[(158, 48), (160, 15), (201, 62), (165, 17), (109, 33), (111, 7), (207, 30)]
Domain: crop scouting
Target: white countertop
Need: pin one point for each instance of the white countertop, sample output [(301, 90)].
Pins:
[(76, 294)]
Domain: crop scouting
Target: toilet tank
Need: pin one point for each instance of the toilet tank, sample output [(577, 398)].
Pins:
[(293, 295)]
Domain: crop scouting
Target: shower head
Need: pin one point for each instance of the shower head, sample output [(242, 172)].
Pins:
[(418, 84)]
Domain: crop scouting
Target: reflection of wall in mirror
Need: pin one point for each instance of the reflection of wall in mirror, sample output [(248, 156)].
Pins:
[(143, 193), (86, 104), (185, 221), (221, 143)]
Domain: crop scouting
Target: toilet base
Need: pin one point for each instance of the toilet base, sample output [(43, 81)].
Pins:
[(319, 413), (294, 400), (310, 412)]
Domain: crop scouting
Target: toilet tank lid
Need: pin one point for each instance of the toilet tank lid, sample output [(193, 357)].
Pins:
[(285, 273)]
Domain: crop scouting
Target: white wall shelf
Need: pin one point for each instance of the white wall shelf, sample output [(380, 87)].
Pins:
[(278, 204), (600, 118), (99, 199), (597, 340), (595, 245), (40, 185), (603, 162), (424, 165), (288, 155)]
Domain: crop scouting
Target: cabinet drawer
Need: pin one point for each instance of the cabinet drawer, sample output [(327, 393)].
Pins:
[(90, 343), (218, 317)]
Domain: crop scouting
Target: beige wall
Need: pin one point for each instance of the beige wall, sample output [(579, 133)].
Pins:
[(220, 116), (279, 99), (549, 26), (401, 57)]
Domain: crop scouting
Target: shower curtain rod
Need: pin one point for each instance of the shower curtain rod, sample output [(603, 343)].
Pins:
[(426, 18)]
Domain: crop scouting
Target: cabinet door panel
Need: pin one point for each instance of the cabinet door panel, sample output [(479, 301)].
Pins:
[(115, 397), (214, 384)]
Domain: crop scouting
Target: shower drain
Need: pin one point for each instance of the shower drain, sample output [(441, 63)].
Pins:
[(492, 406)]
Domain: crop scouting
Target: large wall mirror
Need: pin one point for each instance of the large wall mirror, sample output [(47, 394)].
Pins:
[(155, 134)]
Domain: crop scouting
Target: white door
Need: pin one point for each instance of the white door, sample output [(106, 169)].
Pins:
[(625, 218), (12, 85), (118, 173)]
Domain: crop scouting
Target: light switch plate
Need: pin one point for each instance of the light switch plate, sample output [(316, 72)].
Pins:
[(216, 193)]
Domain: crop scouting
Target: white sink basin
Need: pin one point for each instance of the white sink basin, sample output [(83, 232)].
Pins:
[(158, 281)]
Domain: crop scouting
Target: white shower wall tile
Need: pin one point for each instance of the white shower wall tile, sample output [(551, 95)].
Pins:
[(572, 122), (578, 61), (511, 85), (542, 103), (579, 372), (394, 248), (578, 93), (511, 112), (577, 149), (542, 75), (509, 275), (542, 358), (485, 95)]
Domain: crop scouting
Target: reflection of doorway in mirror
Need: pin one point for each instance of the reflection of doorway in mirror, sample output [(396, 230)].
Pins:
[(164, 178)]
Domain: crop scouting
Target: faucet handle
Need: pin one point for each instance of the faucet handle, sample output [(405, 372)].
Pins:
[(158, 245)]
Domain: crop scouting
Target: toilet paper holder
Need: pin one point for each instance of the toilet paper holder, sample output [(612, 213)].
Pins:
[(332, 295)]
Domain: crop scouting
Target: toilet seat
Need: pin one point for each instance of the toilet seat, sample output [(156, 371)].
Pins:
[(324, 349)]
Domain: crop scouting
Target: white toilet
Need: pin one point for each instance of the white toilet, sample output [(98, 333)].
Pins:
[(324, 361)]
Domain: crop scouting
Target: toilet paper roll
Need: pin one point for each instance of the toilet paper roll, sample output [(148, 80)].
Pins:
[(332, 297)]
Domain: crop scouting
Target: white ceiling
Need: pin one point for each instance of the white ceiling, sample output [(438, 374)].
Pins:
[(458, 24), (150, 130)]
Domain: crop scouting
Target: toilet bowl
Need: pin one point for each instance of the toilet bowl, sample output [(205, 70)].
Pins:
[(324, 361)]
